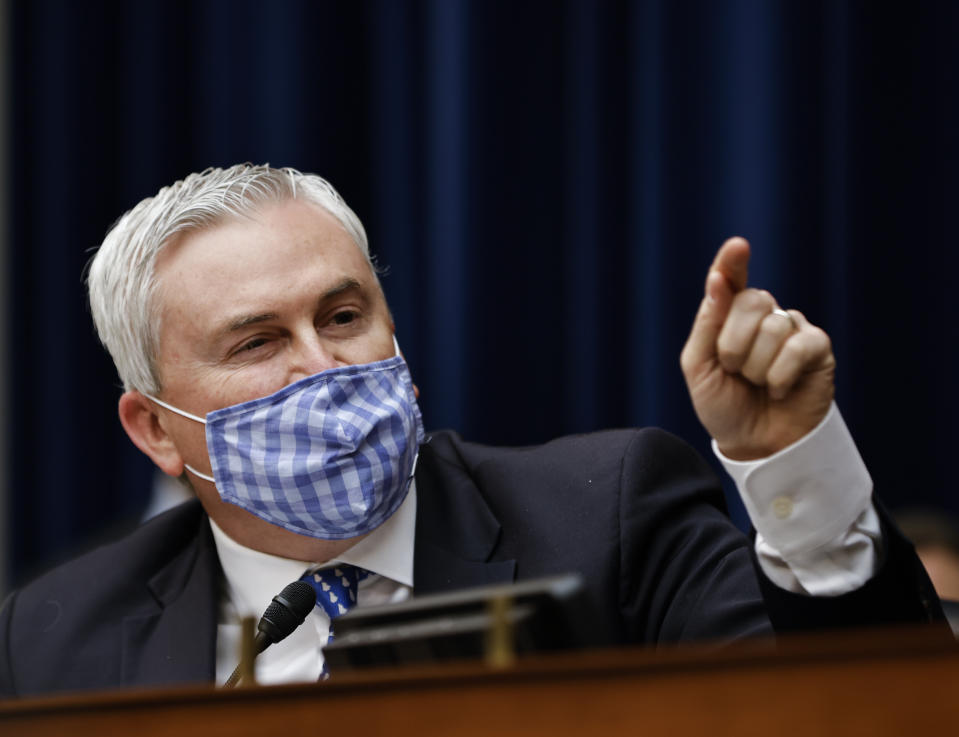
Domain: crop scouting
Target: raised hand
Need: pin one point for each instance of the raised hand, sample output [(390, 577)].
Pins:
[(760, 377)]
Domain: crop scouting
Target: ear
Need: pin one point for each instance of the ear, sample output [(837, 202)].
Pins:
[(142, 422)]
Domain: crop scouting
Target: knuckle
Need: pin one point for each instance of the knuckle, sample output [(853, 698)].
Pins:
[(778, 385), (775, 325), (754, 374), (795, 348), (755, 299), (774, 379), (729, 358), (820, 338)]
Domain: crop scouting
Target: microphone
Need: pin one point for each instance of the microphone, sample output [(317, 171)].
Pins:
[(284, 614)]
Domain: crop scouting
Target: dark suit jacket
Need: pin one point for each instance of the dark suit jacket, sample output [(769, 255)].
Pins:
[(637, 513)]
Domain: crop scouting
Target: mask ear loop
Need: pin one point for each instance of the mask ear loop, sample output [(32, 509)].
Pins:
[(174, 409), (180, 412), (416, 458)]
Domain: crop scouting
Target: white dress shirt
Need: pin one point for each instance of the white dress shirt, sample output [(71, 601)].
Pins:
[(254, 578), (817, 532)]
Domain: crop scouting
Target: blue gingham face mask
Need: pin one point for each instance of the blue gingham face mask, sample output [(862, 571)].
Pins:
[(330, 456)]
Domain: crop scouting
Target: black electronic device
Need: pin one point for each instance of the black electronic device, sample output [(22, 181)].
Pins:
[(542, 615)]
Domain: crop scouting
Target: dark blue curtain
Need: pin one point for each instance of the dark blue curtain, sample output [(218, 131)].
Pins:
[(547, 183)]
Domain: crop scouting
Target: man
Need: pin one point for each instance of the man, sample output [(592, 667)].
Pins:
[(259, 363)]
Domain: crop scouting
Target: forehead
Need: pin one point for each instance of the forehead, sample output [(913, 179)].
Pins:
[(271, 230), (261, 261)]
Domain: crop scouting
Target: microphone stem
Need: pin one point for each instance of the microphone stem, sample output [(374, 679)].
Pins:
[(258, 644), (234, 677)]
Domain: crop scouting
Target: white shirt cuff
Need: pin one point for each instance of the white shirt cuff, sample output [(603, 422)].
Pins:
[(817, 531)]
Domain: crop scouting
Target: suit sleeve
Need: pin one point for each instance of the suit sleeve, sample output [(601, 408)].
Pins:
[(900, 592), (686, 571)]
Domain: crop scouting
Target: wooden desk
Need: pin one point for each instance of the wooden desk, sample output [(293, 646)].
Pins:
[(899, 682)]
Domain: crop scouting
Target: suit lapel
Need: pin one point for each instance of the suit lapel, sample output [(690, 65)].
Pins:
[(173, 641), (456, 532)]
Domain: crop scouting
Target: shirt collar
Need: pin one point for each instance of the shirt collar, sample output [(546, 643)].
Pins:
[(254, 578)]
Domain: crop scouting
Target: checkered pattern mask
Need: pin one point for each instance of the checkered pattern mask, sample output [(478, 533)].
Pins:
[(330, 456)]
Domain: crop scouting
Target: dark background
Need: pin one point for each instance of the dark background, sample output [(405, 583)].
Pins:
[(547, 183)]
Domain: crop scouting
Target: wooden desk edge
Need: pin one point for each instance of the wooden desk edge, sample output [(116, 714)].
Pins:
[(906, 644)]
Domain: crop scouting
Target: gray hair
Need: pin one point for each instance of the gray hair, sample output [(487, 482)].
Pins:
[(122, 281)]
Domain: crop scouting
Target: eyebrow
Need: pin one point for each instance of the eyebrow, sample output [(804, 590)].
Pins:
[(239, 323), (346, 285), (242, 322)]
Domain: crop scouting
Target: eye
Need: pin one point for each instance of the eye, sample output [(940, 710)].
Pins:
[(345, 317), (251, 345)]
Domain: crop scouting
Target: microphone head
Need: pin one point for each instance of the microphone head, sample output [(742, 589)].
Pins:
[(287, 610)]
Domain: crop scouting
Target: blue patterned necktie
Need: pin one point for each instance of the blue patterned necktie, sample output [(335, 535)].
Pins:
[(336, 590)]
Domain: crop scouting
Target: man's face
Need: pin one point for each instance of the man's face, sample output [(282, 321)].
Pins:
[(250, 306)]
